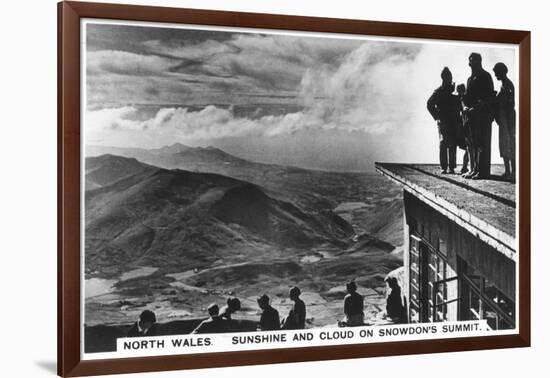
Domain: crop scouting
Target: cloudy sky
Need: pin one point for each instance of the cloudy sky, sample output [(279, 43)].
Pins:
[(327, 103)]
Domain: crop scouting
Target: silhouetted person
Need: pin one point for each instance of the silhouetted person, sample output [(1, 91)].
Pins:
[(394, 302), (353, 307), (145, 326), (444, 107), (233, 305), (296, 318), (269, 320), (214, 324), (464, 134), (478, 99), (505, 116), (472, 148)]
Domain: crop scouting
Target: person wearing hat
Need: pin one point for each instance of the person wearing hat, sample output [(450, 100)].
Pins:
[(353, 307), (145, 326), (444, 107), (296, 318), (478, 101), (214, 324), (269, 320), (505, 116)]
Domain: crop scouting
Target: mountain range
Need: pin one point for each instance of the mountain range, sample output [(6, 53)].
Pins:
[(180, 227), (153, 216), (308, 189)]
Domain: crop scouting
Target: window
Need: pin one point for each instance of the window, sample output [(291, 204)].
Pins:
[(442, 247), (444, 290), (433, 284), (414, 279), (483, 300)]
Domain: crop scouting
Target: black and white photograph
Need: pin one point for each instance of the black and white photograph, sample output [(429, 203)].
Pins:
[(251, 184)]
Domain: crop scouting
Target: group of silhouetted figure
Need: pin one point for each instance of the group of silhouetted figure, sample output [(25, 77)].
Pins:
[(464, 120), (220, 321)]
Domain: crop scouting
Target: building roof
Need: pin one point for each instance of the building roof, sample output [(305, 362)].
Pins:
[(486, 208)]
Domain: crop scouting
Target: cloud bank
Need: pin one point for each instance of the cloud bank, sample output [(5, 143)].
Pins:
[(375, 91)]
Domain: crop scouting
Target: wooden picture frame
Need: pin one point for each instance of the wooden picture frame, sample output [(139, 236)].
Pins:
[(70, 362)]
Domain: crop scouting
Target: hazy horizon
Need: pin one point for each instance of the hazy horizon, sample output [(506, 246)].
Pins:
[(318, 103)]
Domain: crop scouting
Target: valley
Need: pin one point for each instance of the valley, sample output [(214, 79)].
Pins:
[(178, 228)]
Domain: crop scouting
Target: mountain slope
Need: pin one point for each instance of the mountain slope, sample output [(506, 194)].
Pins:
[(178, 218), (176, 240), (310, 190), (108, 169), (155, 156)]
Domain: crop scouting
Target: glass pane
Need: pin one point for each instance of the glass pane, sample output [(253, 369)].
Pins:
[(475, 306), (492, 319), (414, 276), (442, 247), (476, 281), (499, 299), (449, 272), (441, 269), (415, 317), (414, 266), (432, 276), (413, 244)]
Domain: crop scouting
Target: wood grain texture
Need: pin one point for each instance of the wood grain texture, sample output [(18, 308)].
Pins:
[(69, 315)]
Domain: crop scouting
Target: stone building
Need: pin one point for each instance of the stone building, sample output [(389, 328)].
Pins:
[(460, 246)]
